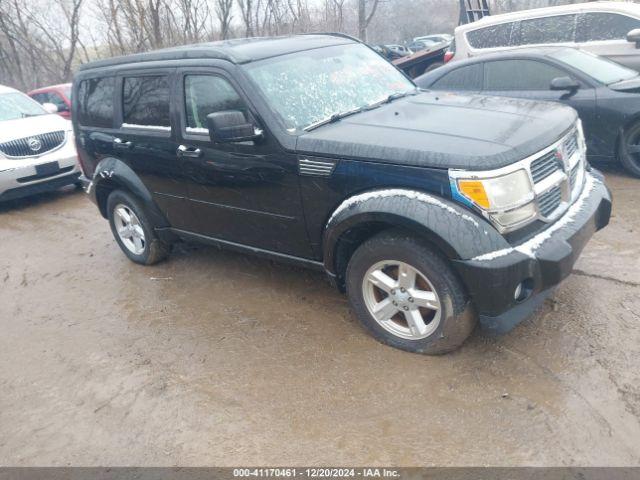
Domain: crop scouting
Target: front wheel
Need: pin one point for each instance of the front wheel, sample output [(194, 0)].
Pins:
[(406, 295), (133, 230), (629, 149)]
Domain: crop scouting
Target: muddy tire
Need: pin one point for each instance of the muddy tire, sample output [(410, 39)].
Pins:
[(629, 149), (406, 295), (133, 231)]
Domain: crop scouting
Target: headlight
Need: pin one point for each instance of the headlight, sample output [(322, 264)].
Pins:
[(506, 200)]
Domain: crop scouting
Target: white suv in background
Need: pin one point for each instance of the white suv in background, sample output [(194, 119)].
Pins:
[(609, 29), (37, 150)]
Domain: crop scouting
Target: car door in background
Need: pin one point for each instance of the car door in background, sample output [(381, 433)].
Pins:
[(605, 34), (531, 79)]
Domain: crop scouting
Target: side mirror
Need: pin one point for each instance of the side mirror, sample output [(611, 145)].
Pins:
[(231, 126), (634, 36), (564, 83), (50, 107)]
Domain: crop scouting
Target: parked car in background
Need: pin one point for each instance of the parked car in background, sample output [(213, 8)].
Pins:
[(430, 211), (37, 151), (605, 94), (436, 37), (401, 49), (58, 95), (609, 29), (387, 52), (422, 45)]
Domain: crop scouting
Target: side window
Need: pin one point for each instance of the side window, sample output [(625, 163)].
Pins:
[(145, 101), (40, 97), (519, 75), (604, 26), (558, 29), (491, 37), (464, 78), (205, 94), (58, 102), (95, 102)]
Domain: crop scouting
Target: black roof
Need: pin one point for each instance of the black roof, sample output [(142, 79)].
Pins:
[(241, 50)]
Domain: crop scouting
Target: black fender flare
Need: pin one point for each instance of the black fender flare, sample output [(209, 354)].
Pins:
[(111, 174), (456, 231)]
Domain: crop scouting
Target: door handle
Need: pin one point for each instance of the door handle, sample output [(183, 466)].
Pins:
[(118, 144), (192, 152)]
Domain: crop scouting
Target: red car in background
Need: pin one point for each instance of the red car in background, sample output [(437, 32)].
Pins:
[(59, 95)]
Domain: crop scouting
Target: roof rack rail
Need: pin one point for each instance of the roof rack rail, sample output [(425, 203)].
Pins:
[(335, 34)]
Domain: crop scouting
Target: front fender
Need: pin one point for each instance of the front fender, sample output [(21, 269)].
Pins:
[(455, 230), (111, 174)]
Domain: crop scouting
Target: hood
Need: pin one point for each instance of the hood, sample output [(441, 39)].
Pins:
[(25, 127), (444, 130)]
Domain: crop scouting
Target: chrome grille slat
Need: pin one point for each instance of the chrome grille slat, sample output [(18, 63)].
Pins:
[(19, 148), (544, 166), (550, 200)]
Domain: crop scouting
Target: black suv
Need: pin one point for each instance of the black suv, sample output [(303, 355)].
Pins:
[(431, 211)]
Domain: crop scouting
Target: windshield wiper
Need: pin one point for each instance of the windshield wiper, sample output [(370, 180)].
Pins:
[(333, 118)]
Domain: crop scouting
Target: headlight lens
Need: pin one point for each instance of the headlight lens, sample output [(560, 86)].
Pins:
[(506, 200)]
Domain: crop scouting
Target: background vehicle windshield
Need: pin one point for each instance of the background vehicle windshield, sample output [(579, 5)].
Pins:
[(310, 86), (602, 70), (16, 105)]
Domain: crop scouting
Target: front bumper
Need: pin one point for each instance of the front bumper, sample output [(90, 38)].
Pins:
[(541, 263), (21, 178)]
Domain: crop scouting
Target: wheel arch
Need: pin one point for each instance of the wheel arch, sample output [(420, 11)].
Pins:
[(452, 230), (113, 174)]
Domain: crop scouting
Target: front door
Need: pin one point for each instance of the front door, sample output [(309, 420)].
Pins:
[(247, 192)]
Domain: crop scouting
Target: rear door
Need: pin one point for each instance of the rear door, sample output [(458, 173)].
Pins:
[(531, 79), (247, 192), (605, 34), (147, 142)]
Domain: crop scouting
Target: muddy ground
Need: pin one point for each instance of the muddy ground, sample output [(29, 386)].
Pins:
[(214, 358)]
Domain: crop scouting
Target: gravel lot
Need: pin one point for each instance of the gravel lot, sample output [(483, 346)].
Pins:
[(214, 358)]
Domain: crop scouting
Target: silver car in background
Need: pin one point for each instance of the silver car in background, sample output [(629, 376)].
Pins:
[(37, 148), (608, 29)]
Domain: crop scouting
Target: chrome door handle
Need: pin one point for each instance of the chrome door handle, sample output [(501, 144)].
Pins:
[(192, 152)]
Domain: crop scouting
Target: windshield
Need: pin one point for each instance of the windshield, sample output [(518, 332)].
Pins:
[(16, 105), (308, 87), (604, 71)]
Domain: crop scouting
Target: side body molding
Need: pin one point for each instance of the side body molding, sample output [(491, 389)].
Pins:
[(111, 174), (457, 232)]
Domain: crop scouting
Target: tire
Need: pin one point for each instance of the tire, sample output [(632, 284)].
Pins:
[(143, 245), (445, 328), (630, 139)]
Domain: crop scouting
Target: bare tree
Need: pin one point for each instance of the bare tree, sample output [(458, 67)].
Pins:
[(364, 18)]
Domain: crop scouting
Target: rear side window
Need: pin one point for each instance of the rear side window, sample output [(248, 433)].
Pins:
[(464, 78), (519, 75), (145, 101), (491, 37), (205, 94), (604, 26), (95, 102), (558, 29)]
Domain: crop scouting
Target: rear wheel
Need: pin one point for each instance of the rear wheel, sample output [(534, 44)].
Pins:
[(404, 292), (629, 149), (133, 231)]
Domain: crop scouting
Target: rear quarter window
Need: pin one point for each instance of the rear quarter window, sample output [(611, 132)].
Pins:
[(491, 37), (596, 26), (145, 101), (95, 102)]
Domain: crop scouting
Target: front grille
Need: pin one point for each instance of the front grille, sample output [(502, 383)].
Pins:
[(550, 200), (571, 145), (573, 176), (33, 145), (544, 166)]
